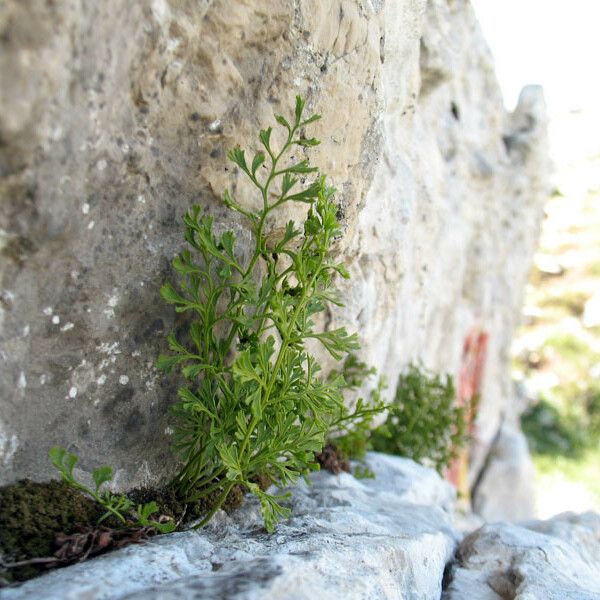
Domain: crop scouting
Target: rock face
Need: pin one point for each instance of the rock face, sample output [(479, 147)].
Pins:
[(558, 559), (390, 537), (117, 118)]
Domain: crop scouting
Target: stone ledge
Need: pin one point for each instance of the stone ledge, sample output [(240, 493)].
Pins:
[(557, 559), (390, 537)]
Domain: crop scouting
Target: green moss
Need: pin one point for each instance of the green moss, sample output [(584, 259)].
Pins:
[(31, 514), (171, 504)]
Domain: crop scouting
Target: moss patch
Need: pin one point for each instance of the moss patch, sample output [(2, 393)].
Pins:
[(171, 504), (31, 514)]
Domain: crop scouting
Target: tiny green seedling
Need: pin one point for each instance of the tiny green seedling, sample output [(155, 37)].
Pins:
[(116, 505)]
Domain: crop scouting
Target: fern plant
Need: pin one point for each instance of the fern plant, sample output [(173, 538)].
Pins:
[(352, 440), (424, 422), (256, 404)]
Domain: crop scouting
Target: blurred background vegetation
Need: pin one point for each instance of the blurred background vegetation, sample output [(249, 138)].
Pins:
[(557, 354)]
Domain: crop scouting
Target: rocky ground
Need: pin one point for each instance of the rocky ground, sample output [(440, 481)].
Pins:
[(394, 536)]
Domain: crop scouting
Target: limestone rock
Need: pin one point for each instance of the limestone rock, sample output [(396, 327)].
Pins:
[(558, 559), (390, 537), (117, 119), (509, 462)]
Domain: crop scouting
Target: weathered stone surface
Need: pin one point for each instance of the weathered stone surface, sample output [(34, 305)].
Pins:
[(385, 538), (509, 462), (558, 559), (117, 118)]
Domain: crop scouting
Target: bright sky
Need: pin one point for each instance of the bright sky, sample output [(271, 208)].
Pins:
[(555, 43), (552, 42)]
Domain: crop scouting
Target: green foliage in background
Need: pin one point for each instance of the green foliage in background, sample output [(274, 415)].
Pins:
[(424, 423), (353, 439), (255, 404), (551, 432), (566, 429), (116, 505)]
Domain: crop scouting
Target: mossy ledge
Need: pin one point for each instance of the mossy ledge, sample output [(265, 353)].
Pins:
[(32, 514)]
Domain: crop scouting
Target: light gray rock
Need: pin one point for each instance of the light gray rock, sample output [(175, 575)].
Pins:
[(557, 559), (509, 462), (354, 539), (117, 118)]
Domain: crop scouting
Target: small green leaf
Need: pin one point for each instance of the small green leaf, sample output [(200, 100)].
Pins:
[(170, 295), (301, 167), (259, 159), (237, 156), (57, 455), (287, 183), (282, 121), (166, 527), (307, 142), (265, 138), (299, 109), (102, 475), (166, 362), (255, 403), (341, 269), (311, 119)]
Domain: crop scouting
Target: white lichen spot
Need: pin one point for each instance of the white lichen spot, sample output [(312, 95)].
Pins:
[(8, 445), (91, 225), (160, 10), (123, 380), (215, 126), (136, 353), (74, 274), (113, 301), (48, 311), (169, 431), (96, 401), (110, 349), (73, 392), (43, 379), (26, 330), (22, 381), (55, 320), (101, 380), (141, 199), (101, 165), (67, 327), (141, 283), (85, 208)]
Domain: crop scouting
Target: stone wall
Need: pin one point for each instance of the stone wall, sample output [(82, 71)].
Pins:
[(116, 116)]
